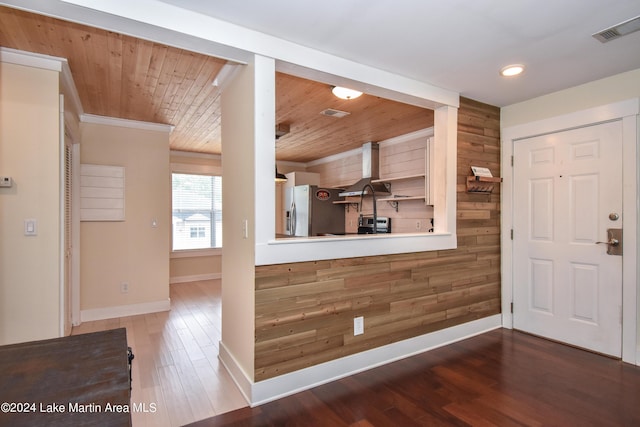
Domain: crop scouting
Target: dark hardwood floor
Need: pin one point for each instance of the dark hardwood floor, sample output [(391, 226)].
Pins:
[(501, 378)]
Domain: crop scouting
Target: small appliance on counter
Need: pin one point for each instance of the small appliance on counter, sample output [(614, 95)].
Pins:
[(366, 222)]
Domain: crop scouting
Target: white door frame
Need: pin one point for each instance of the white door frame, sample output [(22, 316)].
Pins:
[(75, 235), (627, 112), (62, 282), (74, 274)]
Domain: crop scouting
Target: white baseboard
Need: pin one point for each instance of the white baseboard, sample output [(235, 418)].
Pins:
[(237, 374), (303, 379), (194, 278), (124, 310)]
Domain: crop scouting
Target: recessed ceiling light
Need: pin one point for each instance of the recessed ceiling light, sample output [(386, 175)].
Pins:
[(345, 93), (512, 70)]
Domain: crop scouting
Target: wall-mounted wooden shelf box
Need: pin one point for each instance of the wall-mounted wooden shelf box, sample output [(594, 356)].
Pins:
[(482, 184)]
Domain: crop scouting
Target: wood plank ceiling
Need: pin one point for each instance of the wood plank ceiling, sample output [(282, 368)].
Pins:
[(125, 77)]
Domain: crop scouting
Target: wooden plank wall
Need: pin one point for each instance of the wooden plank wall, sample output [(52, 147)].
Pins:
[(305, 311)]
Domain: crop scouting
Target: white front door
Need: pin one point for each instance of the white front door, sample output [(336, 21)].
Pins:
[(567, 193)]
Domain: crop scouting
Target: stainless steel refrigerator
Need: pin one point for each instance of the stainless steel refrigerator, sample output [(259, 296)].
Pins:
[(311, 212)]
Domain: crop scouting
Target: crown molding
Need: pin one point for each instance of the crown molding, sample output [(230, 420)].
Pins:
[(195, 154), (134, 124), (30, 59), (46, 62), (69, 88)]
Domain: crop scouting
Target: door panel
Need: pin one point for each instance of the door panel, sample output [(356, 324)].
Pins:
[(584, 292), (541, 283), (566, 287), (541, 206), (584, 208)]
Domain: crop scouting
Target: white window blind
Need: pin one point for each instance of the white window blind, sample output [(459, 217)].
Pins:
[(196, 211)]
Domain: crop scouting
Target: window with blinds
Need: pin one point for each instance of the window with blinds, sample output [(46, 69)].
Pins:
[(196, 211)]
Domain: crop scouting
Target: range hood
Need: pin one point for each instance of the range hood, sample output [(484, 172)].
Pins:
[(370, 171)]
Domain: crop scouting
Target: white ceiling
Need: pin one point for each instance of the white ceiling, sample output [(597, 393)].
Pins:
[(458, 45)]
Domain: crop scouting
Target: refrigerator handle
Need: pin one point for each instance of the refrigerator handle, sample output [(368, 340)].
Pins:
[(288, 222), (293, 219)]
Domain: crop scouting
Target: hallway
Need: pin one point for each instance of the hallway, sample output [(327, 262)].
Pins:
[(176, 368)]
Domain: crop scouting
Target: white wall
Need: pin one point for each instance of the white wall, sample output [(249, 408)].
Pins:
[(132, 251), (30, 154), (239, 117), (593, 94)]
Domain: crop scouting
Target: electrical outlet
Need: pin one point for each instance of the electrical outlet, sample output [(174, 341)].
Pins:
[(418, 225), (124, 288), (358, 326)]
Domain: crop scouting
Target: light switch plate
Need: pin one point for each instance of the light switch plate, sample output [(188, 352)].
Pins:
[(245, 229), (30, 227), (6, 181)]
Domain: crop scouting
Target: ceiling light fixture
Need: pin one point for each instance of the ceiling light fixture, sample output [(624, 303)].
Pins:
[(512, 70), (345, 93)]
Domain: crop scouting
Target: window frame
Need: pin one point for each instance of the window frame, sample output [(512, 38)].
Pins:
[(193, 164)]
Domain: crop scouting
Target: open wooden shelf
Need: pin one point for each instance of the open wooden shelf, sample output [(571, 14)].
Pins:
[(400, 198), (482, 184), (393, 201), (350, 204), (400, 178)]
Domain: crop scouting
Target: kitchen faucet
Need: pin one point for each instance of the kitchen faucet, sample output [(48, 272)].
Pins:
[(375, 210)]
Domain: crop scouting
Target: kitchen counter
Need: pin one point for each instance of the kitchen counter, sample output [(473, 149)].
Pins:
[(286, 236), (345, 236), (285, 249)]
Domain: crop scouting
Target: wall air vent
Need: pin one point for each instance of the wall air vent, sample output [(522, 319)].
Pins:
[(334, 113), (619, 30)]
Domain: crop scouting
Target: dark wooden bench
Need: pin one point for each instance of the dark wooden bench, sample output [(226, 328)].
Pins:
[(76, 380)]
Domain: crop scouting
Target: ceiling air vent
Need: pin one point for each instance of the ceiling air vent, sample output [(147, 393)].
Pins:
[(619, 30), (334, 113)]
